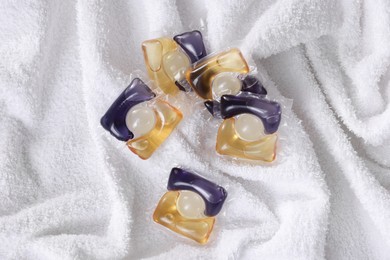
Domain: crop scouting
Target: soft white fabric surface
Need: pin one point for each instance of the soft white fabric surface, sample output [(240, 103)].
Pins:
[(69, 190)]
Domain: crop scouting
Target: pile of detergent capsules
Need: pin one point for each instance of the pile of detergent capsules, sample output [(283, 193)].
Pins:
[(143, 119)]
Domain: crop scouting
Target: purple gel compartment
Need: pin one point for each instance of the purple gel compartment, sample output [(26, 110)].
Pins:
[(253, 85), (214, 107), (250, 85), (213, 195), (179, 86), (192, 44), (211, 105), (114, 120), (268, 111)]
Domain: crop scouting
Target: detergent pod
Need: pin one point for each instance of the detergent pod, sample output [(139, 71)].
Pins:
[(190, 205), (141, 119), (216, 74), (168, 59), (249, 127)]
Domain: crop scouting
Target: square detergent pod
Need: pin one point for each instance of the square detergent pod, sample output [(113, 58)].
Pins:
[(167, 59), (141, 119), (190, 205)]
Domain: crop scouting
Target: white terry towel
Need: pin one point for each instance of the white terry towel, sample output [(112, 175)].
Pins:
[(69, 190)]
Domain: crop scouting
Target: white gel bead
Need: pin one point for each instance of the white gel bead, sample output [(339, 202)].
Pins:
[(175, 64), (225, 84), (140, 120), (190, 205), (249, 127)]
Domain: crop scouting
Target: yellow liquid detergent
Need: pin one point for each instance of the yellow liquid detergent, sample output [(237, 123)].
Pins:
[(229, 143), (167, 118), (165, 63), (203, 73), (167, 214)]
